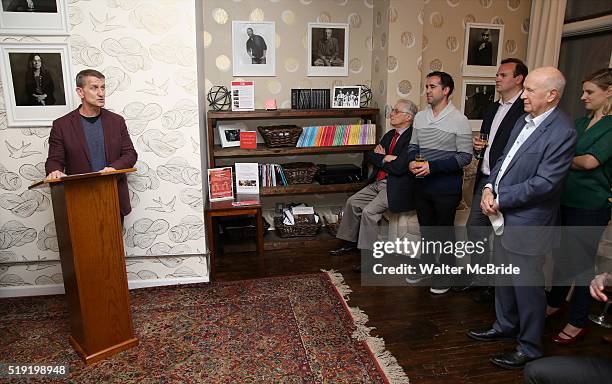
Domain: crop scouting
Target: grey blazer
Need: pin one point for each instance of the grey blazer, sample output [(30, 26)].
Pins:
[(530, 188)]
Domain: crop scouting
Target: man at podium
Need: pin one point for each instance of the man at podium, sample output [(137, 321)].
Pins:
[(91, 138)]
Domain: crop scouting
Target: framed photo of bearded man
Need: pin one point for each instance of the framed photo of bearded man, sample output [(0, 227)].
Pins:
[(328, 47), (253, 48)]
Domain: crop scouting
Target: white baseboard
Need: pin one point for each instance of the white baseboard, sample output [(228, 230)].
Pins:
[(58, 289)]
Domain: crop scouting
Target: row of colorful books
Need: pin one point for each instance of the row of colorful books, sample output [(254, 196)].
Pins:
[(337, 135), (272, 175)]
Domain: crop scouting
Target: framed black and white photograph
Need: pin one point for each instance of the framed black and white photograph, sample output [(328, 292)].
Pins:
[(346, 97), (254, 48), (483, 49), (328, 46), (229, 135), (37, 83), (33, 17), (477, 95)]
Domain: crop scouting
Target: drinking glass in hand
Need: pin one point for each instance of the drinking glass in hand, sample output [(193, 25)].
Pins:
[(601, 318), (419, 159), (484, 140)]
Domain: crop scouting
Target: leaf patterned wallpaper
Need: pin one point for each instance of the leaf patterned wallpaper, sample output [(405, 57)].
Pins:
[(147, 51)]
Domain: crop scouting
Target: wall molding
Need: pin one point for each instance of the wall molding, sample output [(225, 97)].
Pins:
[(58, 289)]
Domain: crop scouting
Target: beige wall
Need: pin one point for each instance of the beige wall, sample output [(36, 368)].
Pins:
[(292, 18), (444, 33)]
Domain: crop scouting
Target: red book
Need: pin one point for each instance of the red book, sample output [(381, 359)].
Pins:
[(248, 140), (220, 186)]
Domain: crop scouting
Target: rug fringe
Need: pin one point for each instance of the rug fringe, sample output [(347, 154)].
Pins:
[(388, 363)]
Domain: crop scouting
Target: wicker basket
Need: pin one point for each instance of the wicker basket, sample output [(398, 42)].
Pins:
[(332, 228), (300, 173), (302, 227), (280, 135)]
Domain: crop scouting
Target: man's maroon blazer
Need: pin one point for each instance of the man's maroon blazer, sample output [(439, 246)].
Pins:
[(68, 151)]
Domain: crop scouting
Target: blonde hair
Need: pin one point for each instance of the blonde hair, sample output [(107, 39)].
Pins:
[(602, 79)]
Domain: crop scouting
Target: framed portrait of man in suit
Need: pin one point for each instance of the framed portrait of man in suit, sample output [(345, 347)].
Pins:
[(33, 17), (483, 49), (37, 84), (476, 96)]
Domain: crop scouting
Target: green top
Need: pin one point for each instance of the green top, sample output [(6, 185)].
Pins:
[(591, 189)]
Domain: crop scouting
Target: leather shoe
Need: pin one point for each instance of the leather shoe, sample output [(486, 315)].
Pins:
[(346, 248), (485, 296), (511, 360), (490, 334), (569, 339)]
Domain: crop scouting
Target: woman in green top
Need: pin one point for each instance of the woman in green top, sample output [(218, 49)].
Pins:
[(585, 203)]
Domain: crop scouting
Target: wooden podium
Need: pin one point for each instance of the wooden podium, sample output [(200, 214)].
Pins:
[(89, 234)]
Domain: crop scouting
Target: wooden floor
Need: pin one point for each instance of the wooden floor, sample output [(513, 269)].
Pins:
[(425, 333)]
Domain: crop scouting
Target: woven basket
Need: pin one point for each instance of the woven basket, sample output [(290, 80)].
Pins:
[(280, 135), (300, 173), (302, 227), (332, 228)]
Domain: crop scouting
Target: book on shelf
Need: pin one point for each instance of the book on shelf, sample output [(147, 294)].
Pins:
[(337, 135), (247, 180), (220, 184), (310, 98), (272, 175), (248, 140)]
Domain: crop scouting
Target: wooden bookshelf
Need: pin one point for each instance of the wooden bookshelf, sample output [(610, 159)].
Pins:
[(262, 150), (301, 189)]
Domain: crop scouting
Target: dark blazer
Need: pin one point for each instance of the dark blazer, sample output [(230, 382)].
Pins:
[(399, 180), (530, 188), (502, 135), (68, 151)]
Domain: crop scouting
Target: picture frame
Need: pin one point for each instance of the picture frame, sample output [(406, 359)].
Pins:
[(346, 96), (253, 48), (34, 97), (483, 49), (229, 135), (476, 96), (328, 49), (40, 17)]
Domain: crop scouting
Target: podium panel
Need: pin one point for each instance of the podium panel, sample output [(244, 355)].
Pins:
[(89, 231)]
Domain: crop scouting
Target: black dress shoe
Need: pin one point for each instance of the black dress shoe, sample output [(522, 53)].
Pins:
[(512, 360), (346, 248), (490, 334), (485, 296)]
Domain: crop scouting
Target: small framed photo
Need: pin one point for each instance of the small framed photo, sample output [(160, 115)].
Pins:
[(229, 135), (483, 49), (347, 97), (477, 95), (33, 17), (328, 46), (254, 48), (37, 83)]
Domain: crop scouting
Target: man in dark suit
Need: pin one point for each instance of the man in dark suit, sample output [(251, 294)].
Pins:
[(522, 198), (390, 185), (498, 121), (91, 138)]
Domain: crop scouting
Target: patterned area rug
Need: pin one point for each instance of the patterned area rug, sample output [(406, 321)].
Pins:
[(295, 329)]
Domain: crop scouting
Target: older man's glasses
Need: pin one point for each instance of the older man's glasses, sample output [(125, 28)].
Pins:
[(395, 110)]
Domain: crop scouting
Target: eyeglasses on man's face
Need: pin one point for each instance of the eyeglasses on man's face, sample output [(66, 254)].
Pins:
[(395, 110)]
